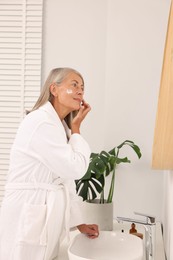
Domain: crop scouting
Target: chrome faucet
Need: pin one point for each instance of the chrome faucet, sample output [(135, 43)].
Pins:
[(149, 224)]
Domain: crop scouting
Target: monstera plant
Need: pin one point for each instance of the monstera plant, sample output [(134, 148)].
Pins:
[(101, 165)]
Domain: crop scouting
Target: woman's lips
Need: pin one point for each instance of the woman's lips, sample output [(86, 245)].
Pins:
[(78, 99)]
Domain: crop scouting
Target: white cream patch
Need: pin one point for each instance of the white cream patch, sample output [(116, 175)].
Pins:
[(69, 91)]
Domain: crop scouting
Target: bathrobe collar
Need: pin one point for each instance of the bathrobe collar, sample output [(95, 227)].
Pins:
[(48, 108)]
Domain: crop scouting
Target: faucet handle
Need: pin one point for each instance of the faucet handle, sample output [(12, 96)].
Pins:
[(150, 219)]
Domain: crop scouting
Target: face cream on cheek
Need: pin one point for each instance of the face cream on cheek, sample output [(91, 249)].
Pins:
[(69, 91)]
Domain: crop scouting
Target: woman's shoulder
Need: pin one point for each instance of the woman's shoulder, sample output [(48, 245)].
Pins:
[(40, 114), (43, 116), (35, 117)]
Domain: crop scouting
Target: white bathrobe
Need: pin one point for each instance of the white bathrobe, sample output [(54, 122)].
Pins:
[(40, 203)]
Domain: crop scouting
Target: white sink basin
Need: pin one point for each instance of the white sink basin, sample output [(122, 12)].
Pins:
[(110, 245)]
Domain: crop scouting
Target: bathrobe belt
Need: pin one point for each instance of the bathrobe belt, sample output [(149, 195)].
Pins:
[(51, 200)]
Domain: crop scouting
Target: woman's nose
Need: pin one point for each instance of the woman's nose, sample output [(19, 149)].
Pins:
[(80, 91)]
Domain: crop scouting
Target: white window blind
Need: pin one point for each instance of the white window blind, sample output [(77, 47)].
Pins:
[(20, 69)]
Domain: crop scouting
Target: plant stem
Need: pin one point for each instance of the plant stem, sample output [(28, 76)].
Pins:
[(111, 191), (102, 197)]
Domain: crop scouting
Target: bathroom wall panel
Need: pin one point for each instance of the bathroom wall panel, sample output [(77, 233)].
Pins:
[(162, 157)]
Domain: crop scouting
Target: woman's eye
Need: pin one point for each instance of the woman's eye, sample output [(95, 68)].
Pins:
[(74, 85)]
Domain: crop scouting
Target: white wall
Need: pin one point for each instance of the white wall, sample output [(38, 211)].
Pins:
[(75, 36), (135, 44), (118, 47), (168, 213)]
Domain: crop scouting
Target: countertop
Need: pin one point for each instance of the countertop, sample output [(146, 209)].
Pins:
[(159, 253)]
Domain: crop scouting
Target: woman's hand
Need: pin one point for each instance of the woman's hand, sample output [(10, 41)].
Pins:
[(90, 231), (76, 122)]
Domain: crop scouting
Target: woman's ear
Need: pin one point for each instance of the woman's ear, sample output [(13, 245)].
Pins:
[(53, 90)]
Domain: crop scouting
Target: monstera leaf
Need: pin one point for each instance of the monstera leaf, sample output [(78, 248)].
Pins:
[(101, 165), (93, 181), (88, 188)]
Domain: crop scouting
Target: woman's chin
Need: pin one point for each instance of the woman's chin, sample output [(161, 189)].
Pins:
[(76, 108)]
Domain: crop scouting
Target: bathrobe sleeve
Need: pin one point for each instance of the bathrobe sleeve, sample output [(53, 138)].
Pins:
[(66, 159), (76, 203)]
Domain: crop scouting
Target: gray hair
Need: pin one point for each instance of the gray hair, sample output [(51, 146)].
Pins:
[(56, 75)]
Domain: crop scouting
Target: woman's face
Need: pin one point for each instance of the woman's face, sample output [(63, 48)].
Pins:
[(69, 94)]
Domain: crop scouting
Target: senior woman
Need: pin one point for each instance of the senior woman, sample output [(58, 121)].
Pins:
[(40, 204)]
